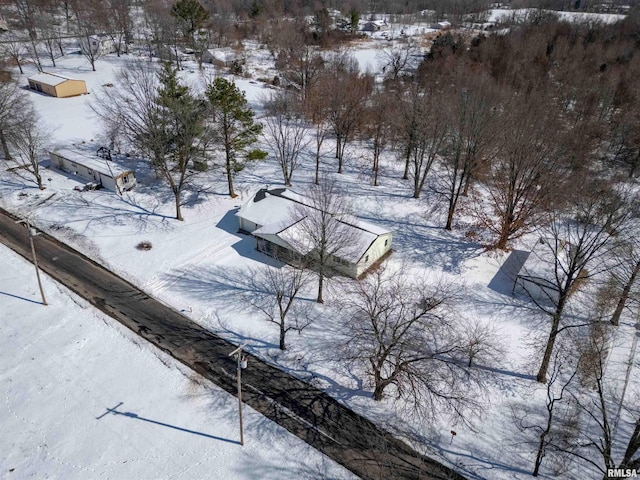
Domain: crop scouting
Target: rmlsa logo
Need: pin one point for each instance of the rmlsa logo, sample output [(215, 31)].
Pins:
[(622, 473)]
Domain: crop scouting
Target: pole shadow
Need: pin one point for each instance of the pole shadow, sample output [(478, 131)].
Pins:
[(135, 416), (21, 298)]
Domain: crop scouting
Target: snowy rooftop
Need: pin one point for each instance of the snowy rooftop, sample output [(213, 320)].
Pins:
[(540, 263), (274, 211), (52, 79), (361, 240), (224, 53), (96, 163), (269, 207)]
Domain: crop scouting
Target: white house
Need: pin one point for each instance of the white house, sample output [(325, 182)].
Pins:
[(271, 217), (441, 25), (375, 26), (99, 44), (223, 57), (102, 171)]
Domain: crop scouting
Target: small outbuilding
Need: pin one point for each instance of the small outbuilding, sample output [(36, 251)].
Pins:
[(537, 275), (222, 57), (271, 217), (57, 85), (375, 26), (103, 171), (441, 25), (99, 45)]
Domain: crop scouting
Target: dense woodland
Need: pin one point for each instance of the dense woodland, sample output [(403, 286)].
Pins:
[(534, 129)]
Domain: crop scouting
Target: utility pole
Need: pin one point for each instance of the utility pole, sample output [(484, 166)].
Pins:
[(241, 364), (32, 233)]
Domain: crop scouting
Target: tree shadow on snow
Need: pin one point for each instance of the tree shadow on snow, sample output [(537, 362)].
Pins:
[(116, 211)]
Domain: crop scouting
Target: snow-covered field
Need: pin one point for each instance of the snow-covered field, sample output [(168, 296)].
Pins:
[(87, 365), (83, 398)]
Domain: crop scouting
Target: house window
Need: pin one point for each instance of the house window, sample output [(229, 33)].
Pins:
[(89, 171), (366, 259), (125, 179), (386, 242)]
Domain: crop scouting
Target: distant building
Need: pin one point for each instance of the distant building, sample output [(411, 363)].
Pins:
[(4, 27), (222, 57), (99, 44), (441, 25), (100, 170), (270, 216), (375, 26), (57, 85)]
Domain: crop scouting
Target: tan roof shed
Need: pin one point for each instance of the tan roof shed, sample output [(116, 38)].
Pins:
[(57, 85)]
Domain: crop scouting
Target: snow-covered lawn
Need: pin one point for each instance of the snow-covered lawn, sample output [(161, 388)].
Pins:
[(196, 266), (83, 398)]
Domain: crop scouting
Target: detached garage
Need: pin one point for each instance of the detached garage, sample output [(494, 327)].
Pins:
[(57, 85)]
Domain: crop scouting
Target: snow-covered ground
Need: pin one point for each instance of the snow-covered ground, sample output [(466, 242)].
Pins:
[(83, 398), (197, 265)]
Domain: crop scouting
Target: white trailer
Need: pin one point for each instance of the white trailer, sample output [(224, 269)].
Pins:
[(102, 171)]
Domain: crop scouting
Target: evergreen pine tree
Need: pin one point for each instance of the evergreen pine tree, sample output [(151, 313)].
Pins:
[(233, 124)]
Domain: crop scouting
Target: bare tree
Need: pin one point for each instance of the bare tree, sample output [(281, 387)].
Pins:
[(480, 341), (471, 136), (30, 144), (120, 24), (347, 93), (397, 60), (285, 131), (555, 429), (299, 62), (423, 129), (593, 352), (28, 14), (325, 230), (15, 50), (625, 275), (14, 107), (631, 459), (317, 112), (552, 399), (377, 126), (526, 170), (578, 241), (278, 288), (400, 336), (89, 18)]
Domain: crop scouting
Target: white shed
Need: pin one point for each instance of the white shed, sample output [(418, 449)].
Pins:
[(270, 216), (99, 44), (223, 57), (375, 26), (104, 172)]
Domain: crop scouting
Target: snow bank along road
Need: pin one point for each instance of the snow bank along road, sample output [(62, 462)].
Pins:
[(307, 412)]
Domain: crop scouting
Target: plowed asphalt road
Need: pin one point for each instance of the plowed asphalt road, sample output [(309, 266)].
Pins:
[(307, 412)]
